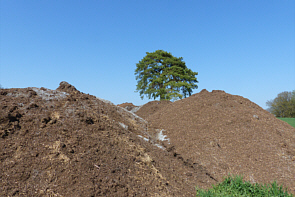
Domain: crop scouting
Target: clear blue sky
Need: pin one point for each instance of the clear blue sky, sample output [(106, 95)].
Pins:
[(245, 48)]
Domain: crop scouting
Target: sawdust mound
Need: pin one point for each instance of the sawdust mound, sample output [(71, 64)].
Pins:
[(152, 107), (124, 105), (66, 143), (128, 106), (229, 134)]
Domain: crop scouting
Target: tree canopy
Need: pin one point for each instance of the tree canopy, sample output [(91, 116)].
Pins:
[(283, 105), (161, 75)]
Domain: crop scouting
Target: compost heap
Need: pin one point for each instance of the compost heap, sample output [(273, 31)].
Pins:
[(227, 134), (66, 143)]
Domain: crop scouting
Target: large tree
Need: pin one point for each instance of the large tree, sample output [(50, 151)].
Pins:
[(283, 105), (160, 74)]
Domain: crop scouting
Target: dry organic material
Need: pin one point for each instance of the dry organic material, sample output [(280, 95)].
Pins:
[(228, 134), (66, 143)]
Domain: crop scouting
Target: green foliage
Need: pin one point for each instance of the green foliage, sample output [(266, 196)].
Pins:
[(283, 105), (290, 121), (159, 74), (235, 186)]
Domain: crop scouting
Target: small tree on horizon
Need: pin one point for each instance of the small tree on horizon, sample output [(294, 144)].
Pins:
[(283, 105), (160, 74)]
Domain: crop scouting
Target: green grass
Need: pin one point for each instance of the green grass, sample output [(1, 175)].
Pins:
[(290, 121), (235, 186)]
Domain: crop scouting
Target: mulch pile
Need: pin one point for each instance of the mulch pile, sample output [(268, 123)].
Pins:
[(66, 143), (227, 134)]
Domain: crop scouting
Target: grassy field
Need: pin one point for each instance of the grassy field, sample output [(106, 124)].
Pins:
[(235, 186), (290, 121)]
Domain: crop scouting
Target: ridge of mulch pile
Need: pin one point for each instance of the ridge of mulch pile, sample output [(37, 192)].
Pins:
[(66, 143), (227, 134)]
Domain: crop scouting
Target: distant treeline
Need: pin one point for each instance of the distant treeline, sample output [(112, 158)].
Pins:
[(283, 105)]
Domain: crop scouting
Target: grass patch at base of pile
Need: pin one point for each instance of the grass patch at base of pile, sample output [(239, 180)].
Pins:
[(235, 186), (290, 121)]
